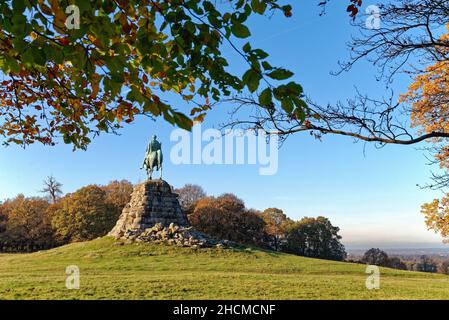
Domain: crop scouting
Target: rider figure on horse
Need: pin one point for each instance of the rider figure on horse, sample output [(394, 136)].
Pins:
[(153, 157)]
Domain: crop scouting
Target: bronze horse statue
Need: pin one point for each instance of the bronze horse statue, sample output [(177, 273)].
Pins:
[(153, 157)]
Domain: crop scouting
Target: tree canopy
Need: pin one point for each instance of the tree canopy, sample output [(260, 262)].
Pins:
[(52, 188), (83, 215), (316, 238), (75, 79), (276, 223), (26, 220), (225, 217), (375, 256), (436, 214), (189, 195)]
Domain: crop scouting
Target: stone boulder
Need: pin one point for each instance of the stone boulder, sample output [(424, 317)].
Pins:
[(174, 235)]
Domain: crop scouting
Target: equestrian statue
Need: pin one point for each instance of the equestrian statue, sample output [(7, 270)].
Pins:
[(153, 157)]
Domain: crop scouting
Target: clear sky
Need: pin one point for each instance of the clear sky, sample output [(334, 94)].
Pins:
[(370, 194)]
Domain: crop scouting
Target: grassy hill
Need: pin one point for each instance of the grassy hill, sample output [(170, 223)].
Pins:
[(150, 271)]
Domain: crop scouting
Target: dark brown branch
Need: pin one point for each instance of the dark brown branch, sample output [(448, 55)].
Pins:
[(364, 138)]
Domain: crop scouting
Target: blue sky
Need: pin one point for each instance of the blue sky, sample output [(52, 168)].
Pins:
[(370, 194)]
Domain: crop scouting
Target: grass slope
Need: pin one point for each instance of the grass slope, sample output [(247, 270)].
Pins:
[(150, 271)]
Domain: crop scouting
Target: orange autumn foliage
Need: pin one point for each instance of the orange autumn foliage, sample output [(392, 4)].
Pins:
[(436, 215), (429, 97)]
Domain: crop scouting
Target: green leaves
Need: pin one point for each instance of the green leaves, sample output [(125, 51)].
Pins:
[(183, 121), (290, 96), (251, 79), (259, 6), (280, 74), (8, 64), (124, 60), (266, 98), (240, 31), (247, 47)]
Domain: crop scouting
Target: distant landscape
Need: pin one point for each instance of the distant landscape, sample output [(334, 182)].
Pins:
[(241, 149), (42, 236), (404, 251)]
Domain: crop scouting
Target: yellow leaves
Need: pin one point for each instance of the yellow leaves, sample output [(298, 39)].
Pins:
[(437, 216), (200, 118), (429, 96), (429, 99), (33, 35)]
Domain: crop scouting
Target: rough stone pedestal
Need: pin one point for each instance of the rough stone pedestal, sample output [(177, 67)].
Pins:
[(151, 202)]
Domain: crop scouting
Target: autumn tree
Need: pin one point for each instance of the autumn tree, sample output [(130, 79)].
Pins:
[(436, 215), (275, 226), (83, 215), (3, 219), (27, 221), (189, 195), (316, 238), (52, 188), (429, 98), (118, 194), (76, 71), (226, 217)]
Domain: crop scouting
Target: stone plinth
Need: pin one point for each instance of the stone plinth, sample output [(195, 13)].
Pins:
[(151, 202)]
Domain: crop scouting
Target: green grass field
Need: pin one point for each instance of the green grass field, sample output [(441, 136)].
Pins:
[(151, 271)]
